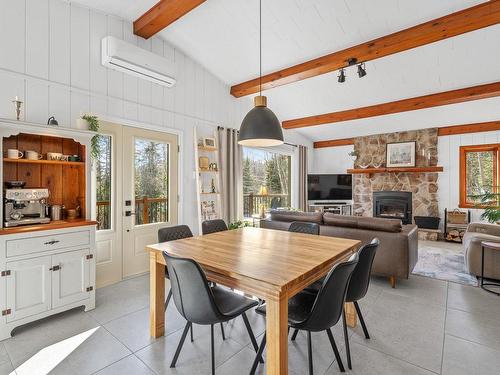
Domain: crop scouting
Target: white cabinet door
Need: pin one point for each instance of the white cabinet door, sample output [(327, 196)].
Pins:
[(28, 287), (70, 281)]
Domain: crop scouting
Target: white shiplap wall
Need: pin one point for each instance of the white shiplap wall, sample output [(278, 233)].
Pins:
[(50, 58)]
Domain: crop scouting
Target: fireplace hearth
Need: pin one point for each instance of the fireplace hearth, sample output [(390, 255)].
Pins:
[(393, 205)]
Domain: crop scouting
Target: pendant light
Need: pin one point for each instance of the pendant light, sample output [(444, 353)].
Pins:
[(260, 127)]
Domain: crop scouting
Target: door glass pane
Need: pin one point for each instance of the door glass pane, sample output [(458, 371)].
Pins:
[(151, 181), (480, 174), (102, 167)]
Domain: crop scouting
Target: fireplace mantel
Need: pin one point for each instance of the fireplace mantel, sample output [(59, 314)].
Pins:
[(371, 171)]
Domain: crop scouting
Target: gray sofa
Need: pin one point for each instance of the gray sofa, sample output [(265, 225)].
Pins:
[(475, 234), (398, 251)]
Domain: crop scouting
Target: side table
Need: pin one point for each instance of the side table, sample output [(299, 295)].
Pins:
[(492, 246)]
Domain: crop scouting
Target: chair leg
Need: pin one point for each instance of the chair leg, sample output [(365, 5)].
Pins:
[(181, 343), (295, 332), (346, 339), (222, 331), (258, 356), (252, 336), (335, 350), (212, 347), (191, 331), (309, 353), (168, 299), (361, 320)]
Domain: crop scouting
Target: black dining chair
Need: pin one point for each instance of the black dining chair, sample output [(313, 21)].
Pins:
[(200, 303), (317, 312), (303, 227), (213, 226)]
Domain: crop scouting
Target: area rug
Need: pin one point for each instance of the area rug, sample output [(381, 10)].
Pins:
[(444, 263)]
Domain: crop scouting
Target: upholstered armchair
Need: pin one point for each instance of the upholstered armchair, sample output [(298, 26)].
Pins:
[(475, 234)]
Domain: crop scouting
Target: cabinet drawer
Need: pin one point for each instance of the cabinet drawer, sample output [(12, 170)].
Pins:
[(45, 243)]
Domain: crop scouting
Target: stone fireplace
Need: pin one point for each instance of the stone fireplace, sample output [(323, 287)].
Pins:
[(422, 186), (393, 205)]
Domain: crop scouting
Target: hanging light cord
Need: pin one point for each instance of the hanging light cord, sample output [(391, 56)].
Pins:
[(260, 47)]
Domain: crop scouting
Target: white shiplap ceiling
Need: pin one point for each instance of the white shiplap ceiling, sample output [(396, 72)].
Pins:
[(222, 35)]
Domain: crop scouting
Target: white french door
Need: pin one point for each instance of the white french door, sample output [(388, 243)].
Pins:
[(136, 189)]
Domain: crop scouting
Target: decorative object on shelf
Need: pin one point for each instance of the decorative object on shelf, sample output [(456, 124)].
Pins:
[(33, 155), (54, 156), (401, 154), (354, 155), (209, 142), (13, 153), (239, 224), (213, 167), (17, 104), (52, 121), (203, 162), (74, 158), (364, 166), (260, 127), (213, 186), (490, 202), (377, 163)]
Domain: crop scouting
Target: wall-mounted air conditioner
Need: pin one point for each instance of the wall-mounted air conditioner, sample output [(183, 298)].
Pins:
[(127, 58)]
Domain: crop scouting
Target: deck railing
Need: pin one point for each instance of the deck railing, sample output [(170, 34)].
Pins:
[(252, 202)]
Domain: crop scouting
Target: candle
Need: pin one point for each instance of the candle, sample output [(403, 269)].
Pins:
[(17, 98)]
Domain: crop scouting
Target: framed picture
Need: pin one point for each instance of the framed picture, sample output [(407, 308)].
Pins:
[(209, 142), (204, 163), (400, 154)]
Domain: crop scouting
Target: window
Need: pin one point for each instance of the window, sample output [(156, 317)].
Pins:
[(266, 180), (102, 168), (478, 172)]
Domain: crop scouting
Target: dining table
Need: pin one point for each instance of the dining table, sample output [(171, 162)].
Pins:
[(269, 264)]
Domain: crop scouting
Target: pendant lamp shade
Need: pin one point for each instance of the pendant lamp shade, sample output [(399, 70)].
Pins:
[(260, 127)]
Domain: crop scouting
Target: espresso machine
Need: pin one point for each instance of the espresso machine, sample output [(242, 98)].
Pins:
[(25, 206)]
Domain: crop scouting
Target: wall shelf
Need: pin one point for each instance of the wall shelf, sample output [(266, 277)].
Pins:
[(52, 162), (207, 149), (208, 171), (370, 171)]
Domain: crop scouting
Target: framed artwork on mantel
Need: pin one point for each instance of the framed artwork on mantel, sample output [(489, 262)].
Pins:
[(401, 154)]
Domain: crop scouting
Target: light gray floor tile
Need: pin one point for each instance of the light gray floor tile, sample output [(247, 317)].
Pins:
[(463, 357), (98, 351), (473, 299), (6, 368), (130, 365), (478, 327), (235, 329), (194, 357), (4, 357), (121, 299), (407, 330), (371, 362)]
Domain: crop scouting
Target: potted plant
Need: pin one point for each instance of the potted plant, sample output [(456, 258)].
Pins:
[(354, 155), (239, 224), (490, 202), (90, 122)]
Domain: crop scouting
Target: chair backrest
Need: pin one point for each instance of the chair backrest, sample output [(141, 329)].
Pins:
[(213, 226), (327, 307), (190, 290), (176, 232), (302, 227), (360, 280)]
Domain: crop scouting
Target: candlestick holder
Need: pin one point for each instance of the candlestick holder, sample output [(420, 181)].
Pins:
[(17, 103)]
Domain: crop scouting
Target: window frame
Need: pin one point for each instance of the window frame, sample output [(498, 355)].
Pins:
[(464, 150)]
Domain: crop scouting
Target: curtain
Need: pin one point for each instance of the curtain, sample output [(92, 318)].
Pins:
[(230, 158), (302, 178)]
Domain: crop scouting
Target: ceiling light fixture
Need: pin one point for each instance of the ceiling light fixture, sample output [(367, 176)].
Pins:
[(341, 76), (361, 70), (260, 127)]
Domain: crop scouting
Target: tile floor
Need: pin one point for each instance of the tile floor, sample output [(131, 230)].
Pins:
[(425, 326)]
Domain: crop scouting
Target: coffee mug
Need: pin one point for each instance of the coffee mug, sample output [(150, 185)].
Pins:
[(33, 155), (54, 156), (14, 154), (73, 158), (64, 157)]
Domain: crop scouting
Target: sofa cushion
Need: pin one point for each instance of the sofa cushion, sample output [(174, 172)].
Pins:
[(369, 223), (289, 216)]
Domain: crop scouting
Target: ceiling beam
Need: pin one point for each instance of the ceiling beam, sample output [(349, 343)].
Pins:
[(470, 19), (443, 131), (467, 94), (161, 15)]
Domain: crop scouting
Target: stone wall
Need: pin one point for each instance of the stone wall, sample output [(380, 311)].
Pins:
[(372, 151)]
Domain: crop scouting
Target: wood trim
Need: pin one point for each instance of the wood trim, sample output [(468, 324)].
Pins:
[(435, 169), (59, 224), (462, 95), (162, 14), (463, 203), (464, 21), (442, 132)]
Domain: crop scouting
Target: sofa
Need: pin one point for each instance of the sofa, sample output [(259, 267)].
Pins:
[(474, 235), (398, 252)]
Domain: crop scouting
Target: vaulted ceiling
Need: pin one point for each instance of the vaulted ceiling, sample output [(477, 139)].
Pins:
[(222, 35)]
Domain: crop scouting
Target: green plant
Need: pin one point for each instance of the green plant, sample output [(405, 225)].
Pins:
[(490, 202), (93, 122), (239, 224)]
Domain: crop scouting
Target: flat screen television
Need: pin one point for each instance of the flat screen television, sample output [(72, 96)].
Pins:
[(329, 187)]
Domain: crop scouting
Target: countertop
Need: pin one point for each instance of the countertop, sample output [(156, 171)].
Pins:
[(59, 224)]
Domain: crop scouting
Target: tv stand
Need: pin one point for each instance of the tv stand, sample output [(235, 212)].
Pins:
[(337, 207)]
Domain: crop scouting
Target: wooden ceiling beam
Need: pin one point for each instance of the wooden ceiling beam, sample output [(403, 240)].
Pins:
[(443, 131), (464, 21), (164, 13), (467, 94)]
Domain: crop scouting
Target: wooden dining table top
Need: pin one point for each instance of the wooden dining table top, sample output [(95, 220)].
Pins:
[(273, 259)]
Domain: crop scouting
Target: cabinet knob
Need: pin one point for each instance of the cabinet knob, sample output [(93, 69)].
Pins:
[(55, 268)]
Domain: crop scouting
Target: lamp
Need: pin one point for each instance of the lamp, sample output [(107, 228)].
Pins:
[(263, 190), (260, 127)]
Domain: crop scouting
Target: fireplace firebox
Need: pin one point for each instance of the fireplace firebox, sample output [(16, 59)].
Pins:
[(393, 205)]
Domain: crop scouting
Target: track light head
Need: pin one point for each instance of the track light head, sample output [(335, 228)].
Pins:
[(341, 77), (361, 70)]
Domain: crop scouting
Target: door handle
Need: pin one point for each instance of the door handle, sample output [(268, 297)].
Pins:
[(55, 268), (129, 213)]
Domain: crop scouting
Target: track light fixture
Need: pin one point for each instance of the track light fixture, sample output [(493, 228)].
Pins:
[(341, 78), (361, 70)]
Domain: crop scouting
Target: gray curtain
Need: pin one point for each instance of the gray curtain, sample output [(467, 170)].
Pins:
[(230, 158), (302, 178)]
